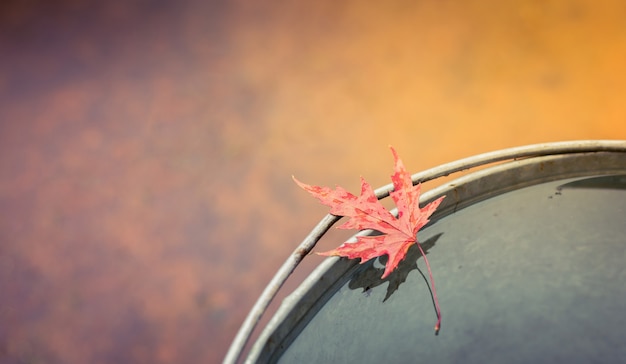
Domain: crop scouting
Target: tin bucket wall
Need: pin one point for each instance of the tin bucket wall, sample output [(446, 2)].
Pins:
[(529, 258)]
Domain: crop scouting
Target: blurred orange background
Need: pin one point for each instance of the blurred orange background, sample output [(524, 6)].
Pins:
[(147, 147)]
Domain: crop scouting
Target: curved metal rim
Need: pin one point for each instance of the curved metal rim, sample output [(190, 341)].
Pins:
[(535, 150)]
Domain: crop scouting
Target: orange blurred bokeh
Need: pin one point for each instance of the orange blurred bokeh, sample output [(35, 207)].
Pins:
[(147, 148)]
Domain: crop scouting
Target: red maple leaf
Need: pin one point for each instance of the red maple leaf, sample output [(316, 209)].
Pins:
[(366, 212)]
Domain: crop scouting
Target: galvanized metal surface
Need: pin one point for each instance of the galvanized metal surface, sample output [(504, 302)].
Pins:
[(527, 166)]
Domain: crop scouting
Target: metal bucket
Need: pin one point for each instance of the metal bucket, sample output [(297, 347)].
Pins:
[(529, 256)]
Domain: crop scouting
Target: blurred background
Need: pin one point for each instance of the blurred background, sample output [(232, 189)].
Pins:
[(147, 147)]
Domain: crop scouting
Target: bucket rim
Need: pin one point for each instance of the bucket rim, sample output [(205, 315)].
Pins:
[(526, 153)]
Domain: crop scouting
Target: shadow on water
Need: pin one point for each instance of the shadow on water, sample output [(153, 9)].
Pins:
[(614, 182), (369, 277)]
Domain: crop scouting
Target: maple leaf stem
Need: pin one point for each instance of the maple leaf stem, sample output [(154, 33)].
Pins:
[(432, 282)]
